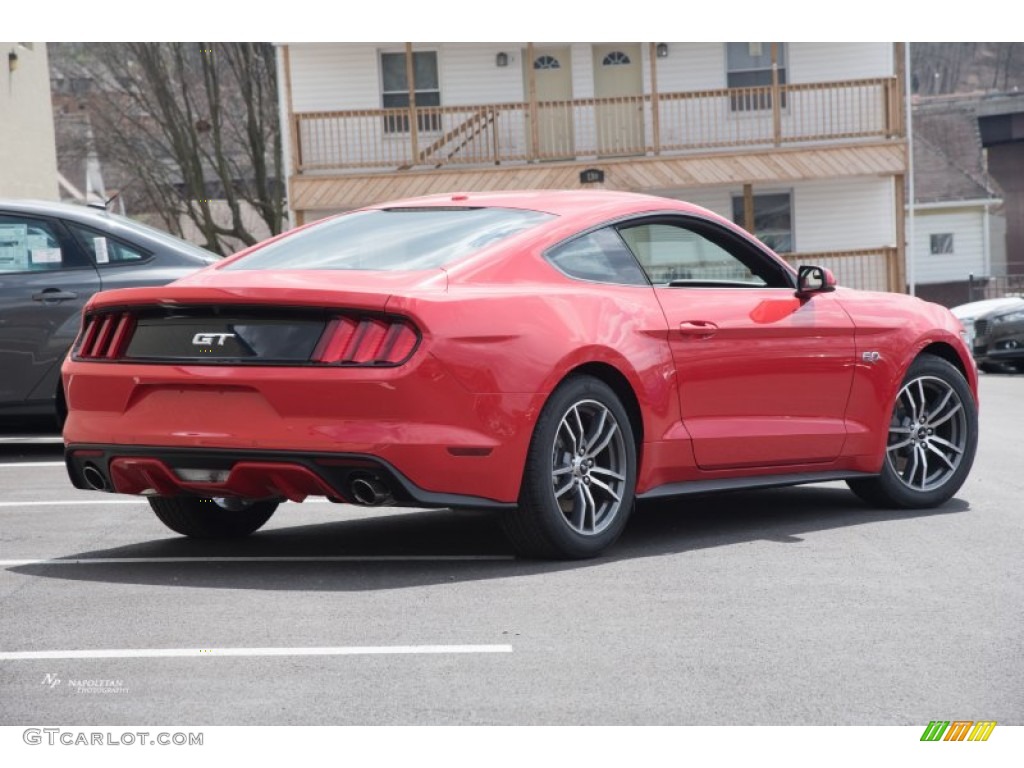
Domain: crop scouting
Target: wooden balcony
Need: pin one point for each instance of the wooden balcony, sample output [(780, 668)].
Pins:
[(657, 124)]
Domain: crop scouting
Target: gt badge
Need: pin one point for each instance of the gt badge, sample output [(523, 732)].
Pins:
[(207, 339)]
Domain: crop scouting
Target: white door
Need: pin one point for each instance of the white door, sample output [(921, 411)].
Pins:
[(552, 70), (618, 88)]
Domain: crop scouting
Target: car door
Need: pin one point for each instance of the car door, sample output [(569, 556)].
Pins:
[(763, 375), (45, 280)]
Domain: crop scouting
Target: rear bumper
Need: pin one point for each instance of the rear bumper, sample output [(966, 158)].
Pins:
[(416, 422), (165, 471)]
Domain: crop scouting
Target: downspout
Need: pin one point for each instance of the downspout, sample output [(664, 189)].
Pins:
[(911, 271)]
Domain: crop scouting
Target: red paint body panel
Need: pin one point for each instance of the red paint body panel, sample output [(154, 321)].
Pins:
[(777, 387)]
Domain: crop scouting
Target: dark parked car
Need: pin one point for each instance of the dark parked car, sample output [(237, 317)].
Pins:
[(999, 340), (53, 258)]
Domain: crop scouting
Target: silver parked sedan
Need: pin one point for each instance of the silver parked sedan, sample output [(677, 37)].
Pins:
[(53, 257)]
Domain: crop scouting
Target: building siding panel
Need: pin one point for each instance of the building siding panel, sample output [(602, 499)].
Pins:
[(968, 257), (845, 214), (822, 62)]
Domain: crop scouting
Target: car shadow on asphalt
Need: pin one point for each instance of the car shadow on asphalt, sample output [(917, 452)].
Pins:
[(675, 527)]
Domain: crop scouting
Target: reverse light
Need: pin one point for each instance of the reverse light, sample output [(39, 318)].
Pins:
[(366, 341)]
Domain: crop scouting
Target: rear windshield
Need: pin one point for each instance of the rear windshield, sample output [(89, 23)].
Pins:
[(393, 239)]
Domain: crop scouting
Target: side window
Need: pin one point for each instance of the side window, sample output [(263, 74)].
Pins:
[(700, 254), (29, 245), (599, 256), (103, 249)]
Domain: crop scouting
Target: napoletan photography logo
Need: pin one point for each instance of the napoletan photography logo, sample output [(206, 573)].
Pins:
[(958, 730), (98, 685)]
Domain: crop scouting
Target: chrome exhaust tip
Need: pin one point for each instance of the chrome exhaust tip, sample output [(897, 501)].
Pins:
[(94, 478), (370, 492)]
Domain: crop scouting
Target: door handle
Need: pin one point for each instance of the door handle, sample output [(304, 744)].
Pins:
[(701, 329), (54, 294)]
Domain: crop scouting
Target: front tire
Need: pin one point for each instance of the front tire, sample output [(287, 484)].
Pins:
[(209, 518), (580, 475), (933, 436)]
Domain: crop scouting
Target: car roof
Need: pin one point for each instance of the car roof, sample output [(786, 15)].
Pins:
[(984, 306), (560, 202), (73, 211)]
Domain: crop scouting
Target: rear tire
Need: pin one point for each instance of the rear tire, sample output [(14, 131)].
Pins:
[(207, 519), (933, 436), (580, 475)]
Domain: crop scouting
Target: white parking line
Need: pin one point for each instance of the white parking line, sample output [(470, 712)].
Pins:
[(259, 559), (137, 500), (154, 653), (23, 464), (32, 439), (63, 503)]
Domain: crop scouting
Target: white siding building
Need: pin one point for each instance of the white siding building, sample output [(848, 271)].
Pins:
[(28, 153), (959, 226), (803, 143)]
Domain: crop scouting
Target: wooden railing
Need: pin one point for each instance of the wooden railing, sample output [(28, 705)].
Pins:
[(873, 269), (589, 128)]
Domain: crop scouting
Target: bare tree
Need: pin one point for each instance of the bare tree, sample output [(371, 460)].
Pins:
[(193, 128)]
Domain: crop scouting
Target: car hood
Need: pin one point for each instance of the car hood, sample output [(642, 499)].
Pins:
[(295, 288)]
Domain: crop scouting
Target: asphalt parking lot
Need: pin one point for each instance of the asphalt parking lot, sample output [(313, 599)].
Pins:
[(790, 606)]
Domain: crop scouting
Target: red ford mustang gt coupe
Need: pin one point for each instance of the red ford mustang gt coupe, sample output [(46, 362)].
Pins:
[(552, 356)]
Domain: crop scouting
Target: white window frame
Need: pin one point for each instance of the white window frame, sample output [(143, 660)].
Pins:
[(757, 109), (424, 126)]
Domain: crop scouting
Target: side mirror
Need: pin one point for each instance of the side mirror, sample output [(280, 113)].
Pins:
[(811, 280)]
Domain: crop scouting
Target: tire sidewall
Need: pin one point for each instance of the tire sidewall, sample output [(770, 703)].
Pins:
[(891, 484), (537, 492)]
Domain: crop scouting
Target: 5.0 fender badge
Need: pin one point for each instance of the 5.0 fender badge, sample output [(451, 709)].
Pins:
[(870, 357)]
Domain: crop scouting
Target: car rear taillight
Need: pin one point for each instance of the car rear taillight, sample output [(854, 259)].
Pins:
[(105, 337), (366, 341)]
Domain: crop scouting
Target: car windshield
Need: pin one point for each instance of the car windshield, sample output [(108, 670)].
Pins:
[(393, 239)]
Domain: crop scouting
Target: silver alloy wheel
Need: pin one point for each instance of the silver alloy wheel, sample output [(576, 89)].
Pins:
[(588, 467), (927, 434)]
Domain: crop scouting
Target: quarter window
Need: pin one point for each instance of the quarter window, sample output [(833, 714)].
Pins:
[(103, 249), (395, 90), (749, 67), (600, 256)]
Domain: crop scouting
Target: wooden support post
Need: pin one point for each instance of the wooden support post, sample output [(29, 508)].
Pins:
[(293, 122), (776, 97), (531, 80), (748, 208), (655, 106), (495, 137), (410, 78), (898, 275), (294, 126), (894, 125)]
